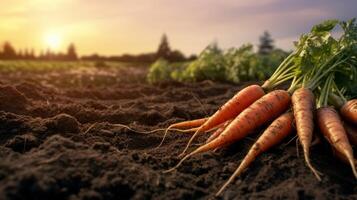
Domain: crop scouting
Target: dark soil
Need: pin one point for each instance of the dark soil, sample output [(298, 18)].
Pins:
[(58, 140)]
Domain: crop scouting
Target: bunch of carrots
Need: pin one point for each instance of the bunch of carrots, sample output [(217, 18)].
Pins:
[(316, 93)]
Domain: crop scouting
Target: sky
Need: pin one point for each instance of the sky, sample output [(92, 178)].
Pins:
[(113, 27)]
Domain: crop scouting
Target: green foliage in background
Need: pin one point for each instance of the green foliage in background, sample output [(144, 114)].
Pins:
[(210, 65), (159, 71), (243, 65), (234, 65), (162, 70)]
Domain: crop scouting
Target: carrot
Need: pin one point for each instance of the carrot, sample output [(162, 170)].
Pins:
[(349, 111), (230, 109), (274, 134), (185, 124), (218, 131), (331, 127), (260, 112), (303, 107), (351, 133), (189, 124)]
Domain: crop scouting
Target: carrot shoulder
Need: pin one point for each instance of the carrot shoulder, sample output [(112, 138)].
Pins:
[(331, 127), (260, 112), (230, 109), (303, 101), (274, 134)]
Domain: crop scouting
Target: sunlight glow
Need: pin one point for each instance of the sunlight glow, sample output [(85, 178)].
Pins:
[(53, 41)]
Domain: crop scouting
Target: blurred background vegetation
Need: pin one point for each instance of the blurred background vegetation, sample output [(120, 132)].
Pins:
[(234, 65)]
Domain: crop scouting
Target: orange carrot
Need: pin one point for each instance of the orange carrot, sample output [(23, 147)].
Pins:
[(351, 133), (303, 101), (218, 131), (230, 109), (331, 127), (274, 134), (182, 125), (189, 124), (349, 111), (260, 112)]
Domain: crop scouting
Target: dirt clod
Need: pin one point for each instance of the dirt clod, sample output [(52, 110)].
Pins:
[(63, 123), (12, 100)]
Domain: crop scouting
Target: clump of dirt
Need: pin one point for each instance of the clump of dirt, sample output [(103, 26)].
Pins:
[(61, 138), (12, 100), (30, 90), (63, 123), (23, 143)]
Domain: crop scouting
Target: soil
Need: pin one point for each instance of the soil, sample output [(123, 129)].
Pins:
[(60, 139)]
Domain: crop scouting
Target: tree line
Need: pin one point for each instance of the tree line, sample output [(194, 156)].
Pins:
[(8, 52), (164, 51)]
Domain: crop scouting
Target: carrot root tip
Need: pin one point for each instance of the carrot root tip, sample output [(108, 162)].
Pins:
[(353, 166), (178, 164), (314, 171), (354, 169), (230, 180)]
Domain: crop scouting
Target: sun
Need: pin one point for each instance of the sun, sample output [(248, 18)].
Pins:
[(53, 41)]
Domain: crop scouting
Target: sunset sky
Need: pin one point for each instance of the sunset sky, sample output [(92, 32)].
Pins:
[(134, 26)]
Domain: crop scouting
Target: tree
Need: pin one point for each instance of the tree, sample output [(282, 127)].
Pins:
[(32, 54), (48, 55), (8, 51), (164, 48), (266, 43), (176, 56), (192, 57), (41, 55), (71, 52), (20, 54), (26, 54)]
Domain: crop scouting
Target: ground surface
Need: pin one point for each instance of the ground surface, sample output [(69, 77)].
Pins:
[(58, 140)]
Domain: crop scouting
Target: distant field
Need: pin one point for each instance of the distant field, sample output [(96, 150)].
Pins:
[(72, 73), (25, 65)]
